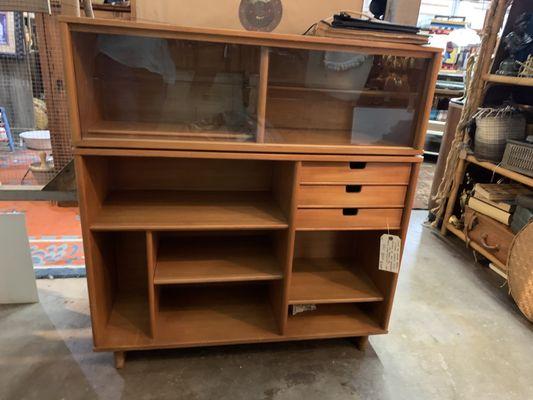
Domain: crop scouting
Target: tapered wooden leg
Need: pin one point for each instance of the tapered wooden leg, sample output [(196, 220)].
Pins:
[(362, 343), (120, 359)]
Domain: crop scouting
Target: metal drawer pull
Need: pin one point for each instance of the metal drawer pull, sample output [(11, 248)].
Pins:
[(350, 211), (353, 188), (357, 165), (486, 245)]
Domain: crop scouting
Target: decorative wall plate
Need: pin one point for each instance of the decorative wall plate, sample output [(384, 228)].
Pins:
[(260, 15)]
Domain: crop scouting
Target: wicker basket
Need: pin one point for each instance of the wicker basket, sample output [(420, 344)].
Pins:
[(493, 128), (520, 270), (518, 157)]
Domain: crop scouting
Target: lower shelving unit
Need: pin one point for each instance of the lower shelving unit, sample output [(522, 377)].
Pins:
[(219, 287), (226, 258)]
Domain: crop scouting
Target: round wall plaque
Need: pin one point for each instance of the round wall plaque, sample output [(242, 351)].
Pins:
[(260, 15)]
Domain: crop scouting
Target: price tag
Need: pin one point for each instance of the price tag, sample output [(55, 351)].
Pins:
[(389, 253)]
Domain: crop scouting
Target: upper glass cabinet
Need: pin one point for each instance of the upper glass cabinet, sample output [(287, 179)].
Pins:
[(231, 92), (145, 86), (341, 98)]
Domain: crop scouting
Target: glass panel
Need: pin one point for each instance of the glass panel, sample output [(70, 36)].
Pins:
[(167, 88), (338, 98)]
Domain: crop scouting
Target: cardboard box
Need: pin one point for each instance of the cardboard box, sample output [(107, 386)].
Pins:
[(280, 16)]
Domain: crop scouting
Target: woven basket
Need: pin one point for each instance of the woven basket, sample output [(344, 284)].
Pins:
[(518, 157), (520, 270), (493, 128)]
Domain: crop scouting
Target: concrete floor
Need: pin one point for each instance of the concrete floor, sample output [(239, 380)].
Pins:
[(455, 334)]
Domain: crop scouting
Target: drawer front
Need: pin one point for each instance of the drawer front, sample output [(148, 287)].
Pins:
[(493, 236), (329, 196), (355, 173), (348, 218)]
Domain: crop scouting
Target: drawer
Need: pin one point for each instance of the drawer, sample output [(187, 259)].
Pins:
[(329, 196), (373, 173), (348, 218), (492, 235)]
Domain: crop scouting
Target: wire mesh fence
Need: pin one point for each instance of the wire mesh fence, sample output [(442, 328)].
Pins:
[(34, 127)]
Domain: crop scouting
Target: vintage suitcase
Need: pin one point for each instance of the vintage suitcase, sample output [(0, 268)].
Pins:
[(490, 234)]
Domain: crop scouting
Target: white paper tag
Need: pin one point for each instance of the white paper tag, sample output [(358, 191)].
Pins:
[(389, 253), (300, 308)]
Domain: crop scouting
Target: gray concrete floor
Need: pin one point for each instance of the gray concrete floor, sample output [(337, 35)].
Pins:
[(455, 334)]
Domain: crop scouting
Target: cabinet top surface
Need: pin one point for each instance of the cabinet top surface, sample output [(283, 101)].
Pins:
[(229, 35)]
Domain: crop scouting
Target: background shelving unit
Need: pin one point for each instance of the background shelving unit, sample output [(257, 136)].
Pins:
[(480, 248), (491, 55), (449, 85)]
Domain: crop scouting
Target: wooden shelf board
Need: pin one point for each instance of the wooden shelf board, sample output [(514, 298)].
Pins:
[(191, 316), (499, 271), (188, 210), (434, 133), (319, 281), (449, 92), (366, 93), (166, 130), (219, 316), (128, 324), (351, 228), (332, 320), (211, 315), (456, 231), (508, 80), (207, 260), (526, 180), (325, 137), (106, 134)]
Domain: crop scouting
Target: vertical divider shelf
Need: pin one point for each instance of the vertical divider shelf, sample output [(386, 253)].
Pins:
[(291, 232), (262, 93), (153, 290)]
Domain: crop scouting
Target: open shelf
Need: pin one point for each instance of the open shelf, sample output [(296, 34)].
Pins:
[(128, 324), (324, 137), (316, 281), (188, 210), (364, 92), (333, 320), (508, 80), (215, 314), (202, 316), (124, 129), (524, 179), (193, 316), (216, 259)]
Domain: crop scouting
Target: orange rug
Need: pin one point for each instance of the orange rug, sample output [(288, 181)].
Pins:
[(45, 219), (55, 237)]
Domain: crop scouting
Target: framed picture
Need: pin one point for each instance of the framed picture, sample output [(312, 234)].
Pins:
[(11, 34), (26, 5)]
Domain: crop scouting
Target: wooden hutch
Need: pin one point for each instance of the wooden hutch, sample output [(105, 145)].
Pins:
[(226, 176)]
